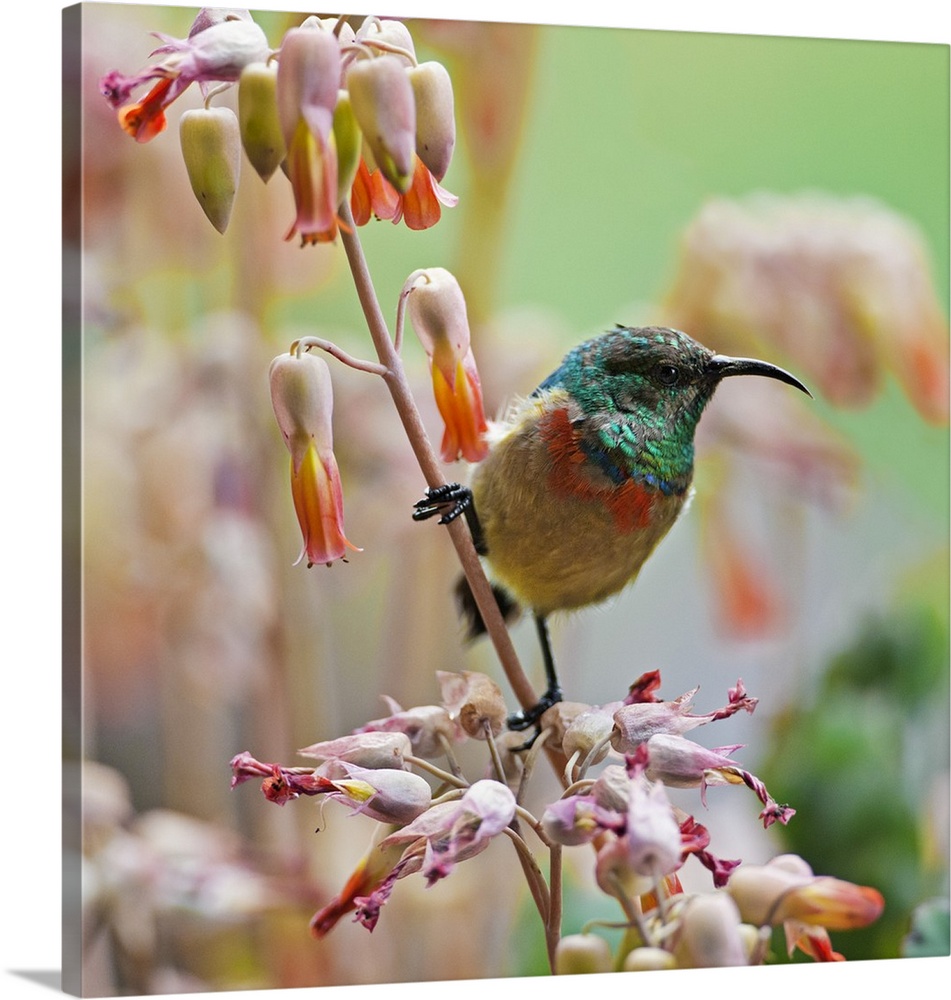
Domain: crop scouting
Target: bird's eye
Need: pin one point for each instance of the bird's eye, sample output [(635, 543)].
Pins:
[(668, 374)]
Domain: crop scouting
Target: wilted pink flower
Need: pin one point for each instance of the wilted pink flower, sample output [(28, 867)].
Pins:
[(302, 396), (681, 763), (695, 838), (455, 831), (215, 51), (636, 723), (281, 784), (373, 871), (437, 310), (475, 700), (427, 726), (384, 794)]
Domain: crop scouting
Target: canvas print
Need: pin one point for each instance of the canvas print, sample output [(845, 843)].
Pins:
[(510, 468)]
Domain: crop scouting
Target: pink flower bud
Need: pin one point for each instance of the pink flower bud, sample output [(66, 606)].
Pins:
[(384, 794), (435, 118), (371, 750)]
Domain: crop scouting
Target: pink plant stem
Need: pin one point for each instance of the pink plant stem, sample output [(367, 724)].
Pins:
[(397, 383)]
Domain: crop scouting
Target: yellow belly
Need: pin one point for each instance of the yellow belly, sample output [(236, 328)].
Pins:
[(551, 550)]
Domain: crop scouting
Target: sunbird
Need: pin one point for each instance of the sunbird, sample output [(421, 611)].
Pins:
[(586, 475)]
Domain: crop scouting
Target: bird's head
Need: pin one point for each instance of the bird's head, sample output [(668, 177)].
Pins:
[(660, 378)]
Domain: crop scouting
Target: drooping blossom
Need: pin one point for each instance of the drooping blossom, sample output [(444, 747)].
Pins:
[(635, 723), (215, 51), (383, 103), (388, 795), (437, 309), (435, 116), (261, 133), (451, 832), (681, 763), (647, 847), (302, 397), (308, 83)]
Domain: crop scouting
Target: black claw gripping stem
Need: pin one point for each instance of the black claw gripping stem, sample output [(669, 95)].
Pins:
[(449, 501)]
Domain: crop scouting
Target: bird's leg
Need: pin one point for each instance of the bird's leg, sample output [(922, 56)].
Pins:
[(530, 716), (449, 501)]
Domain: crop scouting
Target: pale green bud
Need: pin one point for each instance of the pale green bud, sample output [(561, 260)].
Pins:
[(211, 146), (348, 142), (710, 934), (648, 960), (435, 118), (261, 133), (581, 953)]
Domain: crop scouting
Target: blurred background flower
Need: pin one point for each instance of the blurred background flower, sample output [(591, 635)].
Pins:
[(595, 186)]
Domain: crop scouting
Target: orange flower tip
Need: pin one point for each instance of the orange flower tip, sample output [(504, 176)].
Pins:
[(141, 124)]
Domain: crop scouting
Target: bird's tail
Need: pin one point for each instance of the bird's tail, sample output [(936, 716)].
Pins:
[(469, 610)]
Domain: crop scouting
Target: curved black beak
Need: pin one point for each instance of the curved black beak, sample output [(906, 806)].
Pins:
[(720, 366)]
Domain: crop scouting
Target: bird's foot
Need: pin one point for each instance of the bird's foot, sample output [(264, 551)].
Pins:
[(448, 501), (519, 721)]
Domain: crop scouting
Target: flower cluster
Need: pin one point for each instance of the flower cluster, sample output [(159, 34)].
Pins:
[(640, 841), (302, 397), (351, 115)]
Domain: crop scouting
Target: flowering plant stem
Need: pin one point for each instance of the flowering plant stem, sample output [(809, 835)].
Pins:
[(396, 381)]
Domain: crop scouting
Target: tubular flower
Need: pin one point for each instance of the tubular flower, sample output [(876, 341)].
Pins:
[(308, 82), (302, 397), (372, 196), (785, 891), (438, 313), (215, 51)]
